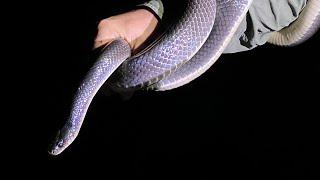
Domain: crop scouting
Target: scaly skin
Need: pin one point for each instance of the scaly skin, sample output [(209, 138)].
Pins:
[(98, 74), (182, 55)]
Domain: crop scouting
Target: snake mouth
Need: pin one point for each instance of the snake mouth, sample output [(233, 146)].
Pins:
[(53, 152)]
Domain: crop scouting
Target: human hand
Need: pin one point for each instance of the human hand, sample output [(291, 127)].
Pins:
[(134, 27)]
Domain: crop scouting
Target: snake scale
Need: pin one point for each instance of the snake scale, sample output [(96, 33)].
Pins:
[(188, 49)]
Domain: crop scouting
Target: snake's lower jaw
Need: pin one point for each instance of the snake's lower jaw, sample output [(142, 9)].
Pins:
[(53, 152)]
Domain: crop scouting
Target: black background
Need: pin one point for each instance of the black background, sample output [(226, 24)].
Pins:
[(253, 114)]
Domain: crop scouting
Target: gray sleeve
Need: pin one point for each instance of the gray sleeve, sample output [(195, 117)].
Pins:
[(263, 18), (156, 6)]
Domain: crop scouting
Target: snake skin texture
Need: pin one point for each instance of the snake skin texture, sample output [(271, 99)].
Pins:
[(229, 15), (181, 42), (110, 59), (189, 48)]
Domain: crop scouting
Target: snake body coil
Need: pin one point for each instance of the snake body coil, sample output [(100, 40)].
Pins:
[(187, 50)]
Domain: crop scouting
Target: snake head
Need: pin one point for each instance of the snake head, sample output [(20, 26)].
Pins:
[(63, 139)]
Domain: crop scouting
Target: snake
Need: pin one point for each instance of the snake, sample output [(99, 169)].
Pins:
[(187, 50)]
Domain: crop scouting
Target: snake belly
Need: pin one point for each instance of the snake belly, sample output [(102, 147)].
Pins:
[(307, 24)]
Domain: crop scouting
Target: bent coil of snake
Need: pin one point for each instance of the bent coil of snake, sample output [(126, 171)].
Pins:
[(187, 50)]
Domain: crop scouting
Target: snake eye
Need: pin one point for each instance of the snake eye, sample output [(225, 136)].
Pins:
[(60, 144)]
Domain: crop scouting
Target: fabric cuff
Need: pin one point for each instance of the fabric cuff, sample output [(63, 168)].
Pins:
[(155, 7)]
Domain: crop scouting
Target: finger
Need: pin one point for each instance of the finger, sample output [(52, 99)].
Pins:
[(105, 33), (98, 44)]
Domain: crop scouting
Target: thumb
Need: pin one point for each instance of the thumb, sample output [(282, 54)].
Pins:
[(106, 34), (98, 44)]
